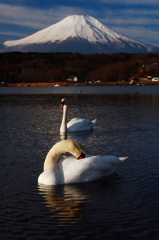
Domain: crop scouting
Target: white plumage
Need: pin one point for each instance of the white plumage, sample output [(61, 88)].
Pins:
[(69, 169), (76, 124)]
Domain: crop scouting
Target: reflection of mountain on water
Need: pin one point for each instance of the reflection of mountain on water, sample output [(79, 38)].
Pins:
[(67, 201)]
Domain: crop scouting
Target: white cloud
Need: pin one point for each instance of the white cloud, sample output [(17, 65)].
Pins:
[(34, 18), (23, 16), (13, 33), (131, 21), (140, 33)]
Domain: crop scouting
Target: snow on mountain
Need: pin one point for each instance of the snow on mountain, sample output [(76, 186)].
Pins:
[(77, 33)]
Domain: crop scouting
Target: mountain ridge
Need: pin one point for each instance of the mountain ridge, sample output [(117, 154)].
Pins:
[(78, 33)]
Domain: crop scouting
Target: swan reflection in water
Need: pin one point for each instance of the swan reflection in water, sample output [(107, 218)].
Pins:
[(63, 136), (66, 202), (77, 136)]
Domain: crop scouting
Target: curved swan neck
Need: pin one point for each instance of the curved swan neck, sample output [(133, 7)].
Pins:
[(63, 127), (51, 159), (63, 146)]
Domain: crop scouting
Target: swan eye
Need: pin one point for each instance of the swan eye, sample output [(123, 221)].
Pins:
[(81, 156)]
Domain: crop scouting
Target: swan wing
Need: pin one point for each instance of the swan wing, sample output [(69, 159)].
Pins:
[(108, 164), (76, 171), (88, 169), (80, 124)]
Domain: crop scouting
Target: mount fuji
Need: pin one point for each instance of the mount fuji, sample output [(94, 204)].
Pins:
[(78, 33)]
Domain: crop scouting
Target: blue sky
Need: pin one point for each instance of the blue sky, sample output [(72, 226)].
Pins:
[(136, 19)]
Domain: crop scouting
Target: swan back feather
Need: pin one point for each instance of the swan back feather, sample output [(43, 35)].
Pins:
[(80, 124)]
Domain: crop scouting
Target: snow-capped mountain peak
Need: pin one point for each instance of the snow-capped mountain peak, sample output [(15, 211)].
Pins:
[(77, 33), (78, 26)]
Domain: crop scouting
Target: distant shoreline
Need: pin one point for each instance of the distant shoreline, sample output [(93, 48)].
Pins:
[(58, 84)]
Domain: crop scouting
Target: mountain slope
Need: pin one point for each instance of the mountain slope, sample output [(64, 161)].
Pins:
[(78, 33)]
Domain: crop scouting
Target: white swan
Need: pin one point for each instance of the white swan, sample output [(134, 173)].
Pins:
[(69, 169), (76, 124)]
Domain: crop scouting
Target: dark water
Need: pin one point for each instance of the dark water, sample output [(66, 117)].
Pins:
[(134, 89), (122, 206)]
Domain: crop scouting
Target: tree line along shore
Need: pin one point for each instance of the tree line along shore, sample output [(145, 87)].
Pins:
[(49, 69)]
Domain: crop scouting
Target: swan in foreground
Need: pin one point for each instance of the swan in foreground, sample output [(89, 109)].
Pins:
[(77, 167), (76, 124)]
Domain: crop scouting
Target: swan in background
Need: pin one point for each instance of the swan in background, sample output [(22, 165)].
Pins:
[(76, 124), (77, 167)]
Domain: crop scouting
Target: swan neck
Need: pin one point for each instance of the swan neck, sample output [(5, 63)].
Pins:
[(63, 127), (52, 158), (63, 146)]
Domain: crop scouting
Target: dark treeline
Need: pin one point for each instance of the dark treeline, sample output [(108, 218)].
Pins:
[(17, 67)]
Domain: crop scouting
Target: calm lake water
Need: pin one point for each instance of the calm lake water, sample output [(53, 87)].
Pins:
[(122, 206)]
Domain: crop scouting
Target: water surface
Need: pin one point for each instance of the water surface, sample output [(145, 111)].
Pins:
[(122, 206), (134, 89)]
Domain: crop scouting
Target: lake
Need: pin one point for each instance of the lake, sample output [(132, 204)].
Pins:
[(121, 206), (133, 89)]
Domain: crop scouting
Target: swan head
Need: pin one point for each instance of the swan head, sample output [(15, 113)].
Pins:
[(63, 102)]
